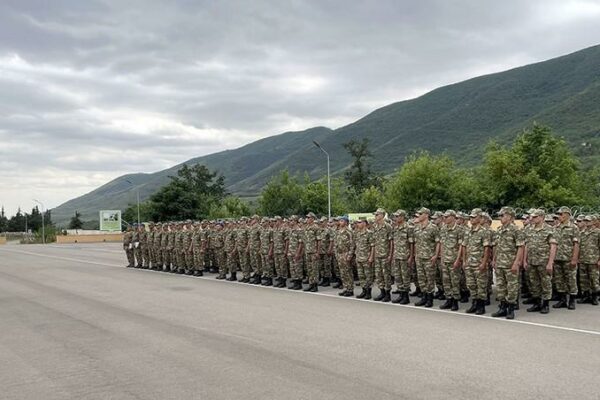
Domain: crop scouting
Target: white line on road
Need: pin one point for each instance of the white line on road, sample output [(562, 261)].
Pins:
[(501, 320)]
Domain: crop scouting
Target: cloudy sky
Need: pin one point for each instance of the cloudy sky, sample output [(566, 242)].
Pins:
[(90, 90)]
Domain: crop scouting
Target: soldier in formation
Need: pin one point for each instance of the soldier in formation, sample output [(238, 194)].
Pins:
[(454, 257)]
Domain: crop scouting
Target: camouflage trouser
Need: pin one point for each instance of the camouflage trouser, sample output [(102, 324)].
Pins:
[(336, 267), (401, 274), (130, 257), (588, 277), (255, 261), (213, 258), (180, 259), (295, 267), (490, 278), (280, 265), (220, 260), (158, 259), (451, 280), (166, 258), (414, 276), (365, 273), (463, 280), (312, 268), (541, 282), (267, 266), (244, 260), (207, 259), (198, 258), (383, 275), (138, 255), (325, 266), (232, 261), (189, 259), (345, 273), (439, 280), (565, 277), (426, 275), (477, 282), (507, 285), (145, 255)]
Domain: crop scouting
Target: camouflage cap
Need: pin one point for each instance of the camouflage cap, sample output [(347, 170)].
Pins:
[(476, 212), (450, 213), (437, 214), (507, 210), (343, 218), (323, 219), (530, 211), (311, 215), (379, 211), (277, 218), (399, 213), (582, 217), (587, 218), (537, 212), (423, 210), (462, 215), (564, 209), (549, 218)]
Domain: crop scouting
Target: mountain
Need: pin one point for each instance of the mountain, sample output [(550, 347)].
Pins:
[(457, 119)]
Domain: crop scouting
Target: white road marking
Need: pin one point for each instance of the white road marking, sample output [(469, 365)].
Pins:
[(461, 314)]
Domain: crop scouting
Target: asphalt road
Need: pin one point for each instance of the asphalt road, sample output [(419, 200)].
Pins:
[(75, 324)]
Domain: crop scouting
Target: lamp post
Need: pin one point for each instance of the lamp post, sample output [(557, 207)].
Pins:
[(137, 190), (43, 227), (328, 180)]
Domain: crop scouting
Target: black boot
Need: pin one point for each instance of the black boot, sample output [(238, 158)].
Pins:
[(423, 300), (429, 298), (405, 299), (571, 305), (473, 307), (481, 308), (440, 295), (454, 305), (537, 305), (502, 310), (447, 305), (268, 282), (562, 301), (380, 296), (544, 308), (220, 276), (362, 294), (368, 295), (530, 300), (510, 311), (594, 299), (387, 297), (297, 285), (325, 282), (398, 299), (232, 277), (314, 288), (585, 298), (417, 292), (336, 284), (487, 301), (347, 293), (307, 289), (198, 273), (464, 296)]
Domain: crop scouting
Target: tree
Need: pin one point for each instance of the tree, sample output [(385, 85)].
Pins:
[(282, 195), (189, 195), (130, 215), (538, 170), (76, 222), (17, 222), (359, 176), (3, 221), (230, 207)]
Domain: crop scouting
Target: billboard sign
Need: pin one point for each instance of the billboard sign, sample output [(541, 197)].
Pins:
[(110, 220)]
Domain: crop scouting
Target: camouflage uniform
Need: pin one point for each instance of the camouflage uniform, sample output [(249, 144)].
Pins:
[(266, 242), (451, 238), (128, 247), (403, 236), (137, 248), (217, 239), (241, 240), (254, 250), (565, 275), (144, 248), (589, 255), (171, 249), (294, 235), (197, 253), (508, 240), (426, 239), (381, 235), (187, 250), (279, 256), (475, 241), (343, 243), (325, 258), (230, 252), (157, 263), (362, 249), (539, 240), (309, 240)]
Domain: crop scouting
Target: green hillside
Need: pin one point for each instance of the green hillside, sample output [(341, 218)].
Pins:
[(458, 119)]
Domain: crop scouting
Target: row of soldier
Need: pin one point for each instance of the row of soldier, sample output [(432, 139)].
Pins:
[(448, 256)]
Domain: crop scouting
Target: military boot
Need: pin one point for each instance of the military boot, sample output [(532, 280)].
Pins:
[(447, 304), (398, 299), (220, 277), (473, 307), (510, 311), (454, 305), (405, 299), (325, 282), (232, 277), (429, 300), (417, 292), (336, 284), (571, 305), (423, 300), (440, 295), (585, 298), (314, 288), (502, 310), (198, 273), (268, 282), (530, 300), (464, 296), (487, 301), (537, 305), (594, 299), (362, 294), (397, 291), (308, 288), (380, 296), (480, 308), (189, 272), (368, 295), (544, 307), (562, 301), (388, 296)]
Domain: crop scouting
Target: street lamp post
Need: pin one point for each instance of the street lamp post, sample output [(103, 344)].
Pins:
[(328, 180), (43, 227), (137, 190)]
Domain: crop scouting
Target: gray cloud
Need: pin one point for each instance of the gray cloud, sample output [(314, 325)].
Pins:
[(94, 89)]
